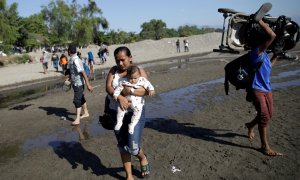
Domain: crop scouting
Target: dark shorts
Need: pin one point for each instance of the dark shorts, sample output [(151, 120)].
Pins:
[(263, 102), (79, 98), (45, 65)]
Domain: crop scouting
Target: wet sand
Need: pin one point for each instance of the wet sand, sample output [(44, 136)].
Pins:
[(192, 125)]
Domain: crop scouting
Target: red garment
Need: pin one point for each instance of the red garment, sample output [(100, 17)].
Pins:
[(263, 102)]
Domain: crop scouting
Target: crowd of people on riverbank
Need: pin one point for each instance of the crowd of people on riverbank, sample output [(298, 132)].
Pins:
[(58, 60)]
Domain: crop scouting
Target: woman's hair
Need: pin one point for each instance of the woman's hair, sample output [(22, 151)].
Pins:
[(133, 69), (79, 54), (122, 48)]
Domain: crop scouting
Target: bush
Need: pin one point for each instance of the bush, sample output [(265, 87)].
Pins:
[(6, 48), (3, 61), (14, 59), (22, 59)]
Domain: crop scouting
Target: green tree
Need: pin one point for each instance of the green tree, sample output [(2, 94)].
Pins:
[(9, 23), (155, 29), (58, 17), (94, 14), (2, 5), (186, 30), (33, 32), (171, 33), (83, 34), (72, 23), (132, 37)]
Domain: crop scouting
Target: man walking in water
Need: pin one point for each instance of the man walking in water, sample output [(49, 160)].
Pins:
[(78, 78)]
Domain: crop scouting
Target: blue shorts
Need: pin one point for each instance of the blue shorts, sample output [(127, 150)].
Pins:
[(55, 64)]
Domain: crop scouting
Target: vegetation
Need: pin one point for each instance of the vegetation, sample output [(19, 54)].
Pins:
[(60, 23)]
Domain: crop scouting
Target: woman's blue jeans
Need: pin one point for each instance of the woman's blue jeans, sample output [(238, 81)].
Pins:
[(130, 143)]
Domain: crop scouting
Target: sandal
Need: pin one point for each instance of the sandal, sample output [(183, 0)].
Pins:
[(266, 7), (145, 169)]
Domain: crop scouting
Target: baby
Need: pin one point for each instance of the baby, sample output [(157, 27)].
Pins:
[(135, 81)]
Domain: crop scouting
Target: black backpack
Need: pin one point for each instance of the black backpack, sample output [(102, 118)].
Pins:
[(240, 73)]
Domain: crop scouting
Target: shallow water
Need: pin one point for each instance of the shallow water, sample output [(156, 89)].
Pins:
[(287, 74), (37, 90), (173, 102), (177, 101), (286, 84), (66, 134)]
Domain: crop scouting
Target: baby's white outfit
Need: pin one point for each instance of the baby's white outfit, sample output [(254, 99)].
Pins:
[(137, 102)]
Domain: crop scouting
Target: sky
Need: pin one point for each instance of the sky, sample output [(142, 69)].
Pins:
[(129, 15)]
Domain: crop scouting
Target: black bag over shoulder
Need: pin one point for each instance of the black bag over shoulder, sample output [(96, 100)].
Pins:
[(106, 122), (240, 73)]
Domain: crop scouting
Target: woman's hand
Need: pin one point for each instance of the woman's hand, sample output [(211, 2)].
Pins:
[(123, 102), (126, 91)]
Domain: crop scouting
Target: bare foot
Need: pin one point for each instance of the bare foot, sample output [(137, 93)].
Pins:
[(270, 152), (84, 115), (129, 178), (251, 133), (76, 122)]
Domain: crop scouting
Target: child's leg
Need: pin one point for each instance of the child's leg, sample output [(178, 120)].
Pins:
[(120, 116), (137, 112)]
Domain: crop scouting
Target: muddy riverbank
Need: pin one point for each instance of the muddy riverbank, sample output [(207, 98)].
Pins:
[(192, 125)]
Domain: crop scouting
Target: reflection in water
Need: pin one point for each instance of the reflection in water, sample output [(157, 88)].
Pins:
[(177, 101), (90, 128), (83, 133), (173, 102), (181, 64)]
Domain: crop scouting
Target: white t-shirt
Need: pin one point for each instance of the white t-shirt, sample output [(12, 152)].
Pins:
[(75, 66)]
